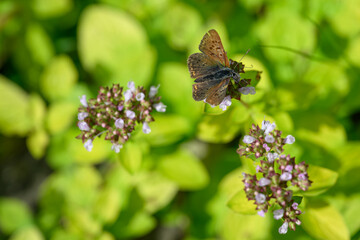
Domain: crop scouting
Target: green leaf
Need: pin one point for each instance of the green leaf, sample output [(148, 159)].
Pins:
[(60, 116), (175, 84), (27, 233), (14, 214), (114, 47), (37, 143), (323, 221), (271, 30), (140, 224), (39, 44), (344, 16), (80, 220), (156, 190), (59, 77), (38, 111), (167, 129), (54, 8), (352, 213), (107, 205), (173, 21), (131, 156), (224, 127), (105, 236), (15, 103), (322, 179), (184, 169), (319, 128), (240, 204)]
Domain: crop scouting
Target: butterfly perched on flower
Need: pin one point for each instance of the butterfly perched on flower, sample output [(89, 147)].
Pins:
[(211, 70)]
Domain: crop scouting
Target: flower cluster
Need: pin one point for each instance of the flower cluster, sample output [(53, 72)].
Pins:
[(239, 87), (274, 173), (115, 113)]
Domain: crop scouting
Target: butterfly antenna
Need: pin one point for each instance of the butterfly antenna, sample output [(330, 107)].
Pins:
[(245, 54), (250, 66), (242, 58)]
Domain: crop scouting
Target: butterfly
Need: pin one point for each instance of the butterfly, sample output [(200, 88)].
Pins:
[(211, 70)]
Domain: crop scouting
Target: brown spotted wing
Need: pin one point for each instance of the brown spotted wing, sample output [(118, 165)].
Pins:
[(211, 70)]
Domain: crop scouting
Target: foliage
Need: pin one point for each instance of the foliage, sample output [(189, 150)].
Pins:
[(183, 180)]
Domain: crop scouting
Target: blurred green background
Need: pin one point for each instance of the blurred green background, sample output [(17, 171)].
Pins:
[(174, 183)]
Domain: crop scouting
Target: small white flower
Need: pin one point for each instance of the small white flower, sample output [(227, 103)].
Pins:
[(82, 115), (264, 181), (289, 139), (127, 95), (130, 114), (248, 139), (116, 147), (153, 91), (247, 90), (295, 205), (88, 145), (286, 176), (269, 139), (83, 101), (131, 86), (284, 228), (119, 123), (160, 107), (267, 126), (278, 213), (260, 198), (226, 102), (261, 213), (146, 129), (83, 126), (140, 96), (272, 156)]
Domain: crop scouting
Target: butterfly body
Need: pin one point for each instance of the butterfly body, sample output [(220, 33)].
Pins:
[(211, 70)]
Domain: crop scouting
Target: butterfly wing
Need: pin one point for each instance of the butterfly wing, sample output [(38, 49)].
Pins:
[(203, 89), (211, 45), (218, 93), (200, 65)]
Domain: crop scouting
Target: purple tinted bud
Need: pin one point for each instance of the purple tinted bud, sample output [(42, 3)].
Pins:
[(247, 90), (285, 176), (160, 107), (83, 126), (260, 198), (248, 139), (116, 147), (119, 123), (302, 176), (258, 168), (88, 145), (295, 205), (130, 114), (289, 139), (226, 102), (153, 91), (267, 148), (127, 95), (83, 101), (289, 168), (278, 214), (131, 86), (264, 181), (120, 107), (272, 157), (298, 222), (146, 129), (82, 115), (269, 139), (261, 213), (284, 228)]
